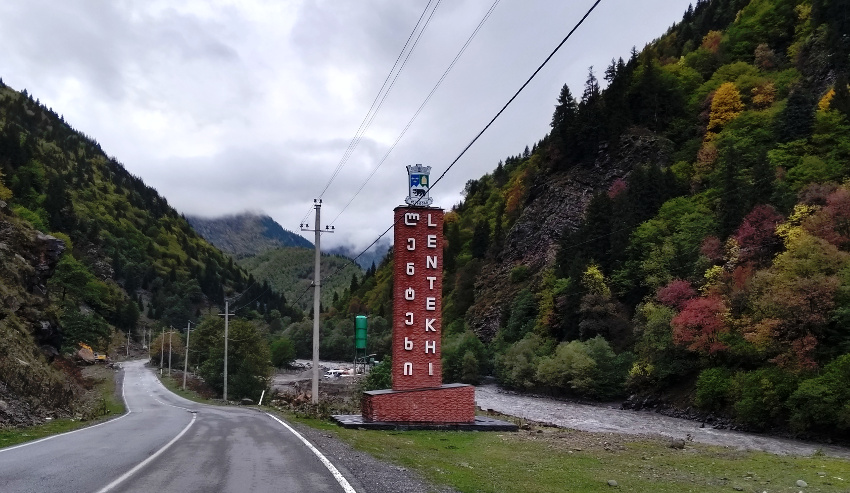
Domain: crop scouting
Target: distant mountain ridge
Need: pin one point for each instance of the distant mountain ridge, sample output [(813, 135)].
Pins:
[(247, 234)]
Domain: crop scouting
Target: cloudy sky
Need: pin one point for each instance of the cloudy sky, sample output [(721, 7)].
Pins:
[(227, 106)]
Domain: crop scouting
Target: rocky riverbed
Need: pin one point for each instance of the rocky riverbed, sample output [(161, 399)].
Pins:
[(610, 418)]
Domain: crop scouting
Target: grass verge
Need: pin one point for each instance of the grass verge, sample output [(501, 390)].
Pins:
[(546, 459), (174, 383)]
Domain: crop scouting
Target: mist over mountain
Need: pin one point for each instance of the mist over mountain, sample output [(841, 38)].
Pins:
[(375, 254), (247, 234)]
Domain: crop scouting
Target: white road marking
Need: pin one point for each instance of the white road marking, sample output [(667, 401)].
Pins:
[(336, 474), (145, 462)]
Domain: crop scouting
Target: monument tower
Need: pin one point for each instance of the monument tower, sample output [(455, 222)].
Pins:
[(418, 394)]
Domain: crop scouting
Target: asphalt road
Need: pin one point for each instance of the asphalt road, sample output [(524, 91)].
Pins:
[(166, 443)]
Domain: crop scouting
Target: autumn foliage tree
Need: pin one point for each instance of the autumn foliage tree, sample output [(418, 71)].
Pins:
[(700, 325), (725, 106)]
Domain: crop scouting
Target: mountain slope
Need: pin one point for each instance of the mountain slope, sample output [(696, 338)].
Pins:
[(290, 271), (247, 234), (680, 233), (124, 258)]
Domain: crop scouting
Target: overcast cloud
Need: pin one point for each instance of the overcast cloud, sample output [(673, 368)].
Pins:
[(230, 106)]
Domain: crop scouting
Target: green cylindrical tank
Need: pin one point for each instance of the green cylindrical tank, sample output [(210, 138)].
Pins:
[(360, 332)]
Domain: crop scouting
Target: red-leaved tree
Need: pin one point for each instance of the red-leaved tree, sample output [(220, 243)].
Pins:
[(675, 294), (757, 237), (700, 324)]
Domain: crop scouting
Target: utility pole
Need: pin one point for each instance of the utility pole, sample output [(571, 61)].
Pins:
[(128, 343), (161, 350), (226, 316), (170, 333), (317, 203), (186, 360)]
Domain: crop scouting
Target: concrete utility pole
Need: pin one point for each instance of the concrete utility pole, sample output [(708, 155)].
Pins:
[(226, 316), (128, 343), (186, 360), (170, 333), (161, 349), (317, 203)]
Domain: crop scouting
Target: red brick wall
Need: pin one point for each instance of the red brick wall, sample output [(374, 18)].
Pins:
[(417, 297), (453, 403)]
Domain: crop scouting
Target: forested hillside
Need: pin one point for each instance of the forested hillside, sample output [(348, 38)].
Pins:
[(290, 271), (124, 260), (681, 232), (246, 234)]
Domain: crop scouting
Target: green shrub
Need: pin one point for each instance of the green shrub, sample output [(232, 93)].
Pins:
[(283, 352), (380, 377), (516, 367), (760, 396), (823, 403), (519, 273), (712, 390), (464, 358)]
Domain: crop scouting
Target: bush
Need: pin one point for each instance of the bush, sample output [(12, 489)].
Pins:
[(823, 403), (760, 396), (587, 369), (713, 389), (464, 358), (516, 367), (380, 377), (283, 352)]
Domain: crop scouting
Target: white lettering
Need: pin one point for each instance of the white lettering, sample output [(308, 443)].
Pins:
[(408, 345), (431, 282), (410, 268), (430, 303), (432, 241), (408, 368), (429, 325), (411, 217), (430, 224), (430, 369), (409, 294), (408, 318), (411, 244), (431, 262), (432, 346)]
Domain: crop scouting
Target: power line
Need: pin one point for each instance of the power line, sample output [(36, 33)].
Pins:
[(499, 113), (425, 102), (381, 96)]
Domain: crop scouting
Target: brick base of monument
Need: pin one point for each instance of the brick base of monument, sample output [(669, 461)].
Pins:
[(449, 403)]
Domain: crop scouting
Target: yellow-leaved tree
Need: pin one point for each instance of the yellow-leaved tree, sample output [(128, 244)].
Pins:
[(5, 193), (725, 106)]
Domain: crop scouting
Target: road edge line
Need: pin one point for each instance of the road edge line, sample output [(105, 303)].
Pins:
[(334, 471), (51, 437), (145, 462)]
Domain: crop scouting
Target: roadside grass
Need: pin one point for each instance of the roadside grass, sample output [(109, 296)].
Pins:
[(106, 404), (174, 383), (546, 459)]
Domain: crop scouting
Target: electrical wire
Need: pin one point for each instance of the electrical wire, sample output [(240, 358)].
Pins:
[(372, 109), (499, 113), (419, 110)]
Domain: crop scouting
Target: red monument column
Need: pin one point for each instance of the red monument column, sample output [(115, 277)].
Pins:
[(418, 394), (417, 300)]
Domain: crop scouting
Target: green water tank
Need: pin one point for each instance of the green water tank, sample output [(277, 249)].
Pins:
[(360, 332)]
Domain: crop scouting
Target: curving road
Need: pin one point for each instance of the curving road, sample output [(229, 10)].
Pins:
[(167, 443)]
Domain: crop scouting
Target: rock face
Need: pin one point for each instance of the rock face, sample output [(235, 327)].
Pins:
[(30, 388), (555, 202)]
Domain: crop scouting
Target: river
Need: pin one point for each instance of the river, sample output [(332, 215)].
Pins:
[(609, 418)]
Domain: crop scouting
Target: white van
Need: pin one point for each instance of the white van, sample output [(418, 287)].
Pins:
[(335, 373)]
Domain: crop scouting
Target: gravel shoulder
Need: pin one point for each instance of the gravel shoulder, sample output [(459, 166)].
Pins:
[(369, 474)]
